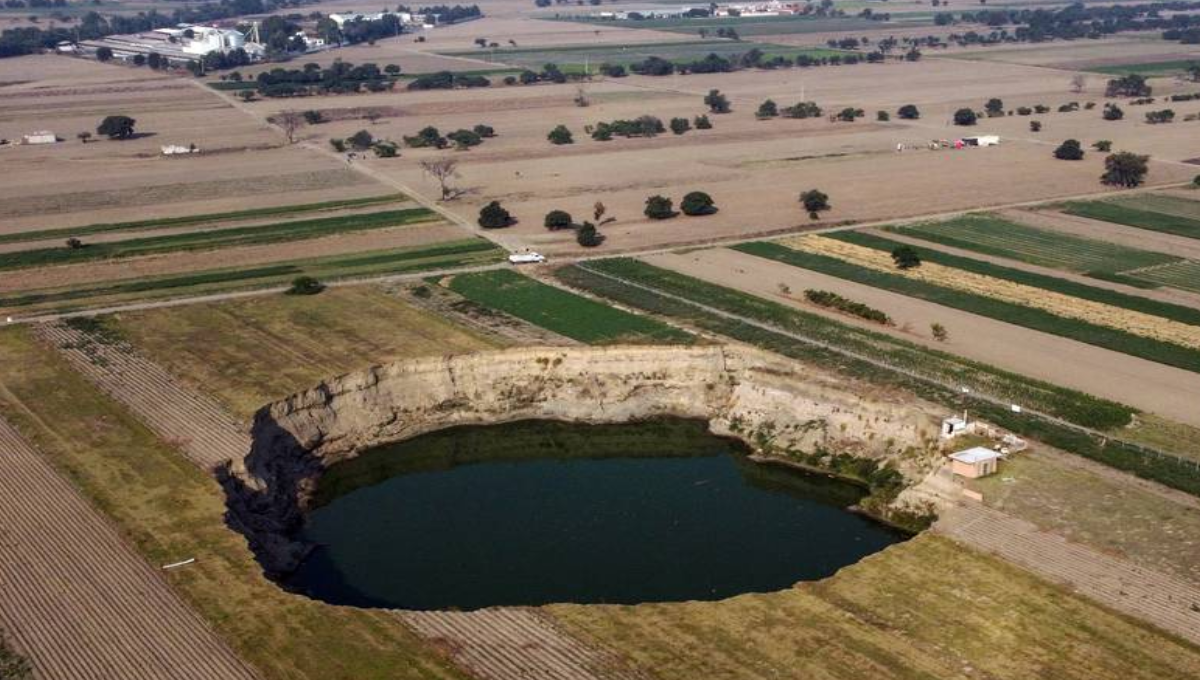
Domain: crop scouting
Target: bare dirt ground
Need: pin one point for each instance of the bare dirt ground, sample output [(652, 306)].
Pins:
[(1167, 391), (1124, 48), (191, 261), (77, 599)]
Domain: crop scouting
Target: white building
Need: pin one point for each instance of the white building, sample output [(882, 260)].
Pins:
[(975, 462), (205, 39), (40, 137), (770, 8), (343, 18)]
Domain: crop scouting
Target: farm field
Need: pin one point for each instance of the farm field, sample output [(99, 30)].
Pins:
[(1011, 625), (249, 352), (1150, 69), (1111, 232), (1142, 215), (561, 311), (682, 51), (1116, 55), (745, 26), (166, 507), (1091, 370)]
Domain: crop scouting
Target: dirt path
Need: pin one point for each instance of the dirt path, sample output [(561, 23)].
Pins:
[(516, 644), (78, 601), (1168, 391), (193, 422), (1167, 602)]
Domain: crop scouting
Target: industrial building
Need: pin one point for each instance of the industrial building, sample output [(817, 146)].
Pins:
[(177, 45)]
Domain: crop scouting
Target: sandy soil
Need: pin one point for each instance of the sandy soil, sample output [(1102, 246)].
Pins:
[(89, 273), (1167, 391)]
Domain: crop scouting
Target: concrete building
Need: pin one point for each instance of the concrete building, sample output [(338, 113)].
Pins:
[(177, 45), (343, 18), (975, 462), (40, 137)]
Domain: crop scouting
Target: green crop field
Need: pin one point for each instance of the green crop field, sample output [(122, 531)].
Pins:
[(745, 26), (1188, 315), (193, 220), (995, 236), (1141, 214), (1016, 314), (1184, 275), (594, 55), (561, 311), (449, 255), (278, 232), (1149, 69)]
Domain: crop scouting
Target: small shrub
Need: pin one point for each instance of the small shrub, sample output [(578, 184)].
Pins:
[(939, 332), (1070, 150), (908, 112), (74, 243), (659, 208), (1102, 145), (558, 219), (305, 285), (561, 135), (815, 202), (1035, 126), (965, 117), (339, 145), (587, 235), (702, 123), (882, 116), (906, 257), (697, 203), (494, 216), (680, 125)]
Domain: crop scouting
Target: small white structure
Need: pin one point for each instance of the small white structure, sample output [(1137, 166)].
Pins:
[(954, 426), (526, 258), (343, 18), (175, 149), (40, 137), (975, 462), (984, 140)]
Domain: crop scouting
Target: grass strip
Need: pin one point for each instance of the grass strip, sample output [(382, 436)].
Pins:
[(1145, 463), (563, 312), (1106, 211), (278, 232), (1019, 315), (993, 235), (1071, 405), (1166, 310), (190, 220), (442, 256)]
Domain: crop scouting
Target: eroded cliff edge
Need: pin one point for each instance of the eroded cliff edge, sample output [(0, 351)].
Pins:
[(772, 404)]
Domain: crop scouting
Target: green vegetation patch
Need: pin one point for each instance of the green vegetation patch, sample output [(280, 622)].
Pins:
[(627, 53), (191, 220), (1188, 315), (1019, 315), (1150, 69), (1142, 218), (745, 26), (1184, 275), (278, 232), (993, 235), (561, 311)]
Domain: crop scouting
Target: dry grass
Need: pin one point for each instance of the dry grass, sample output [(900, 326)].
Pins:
[(923, 609), (1137, 323), (249, 352)]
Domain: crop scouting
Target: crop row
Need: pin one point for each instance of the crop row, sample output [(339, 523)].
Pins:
[(1022, 306), (1107, 211), (192, 220), (1184, 275), (1075, 407), (561, 311), (277, 232), (995, 236)]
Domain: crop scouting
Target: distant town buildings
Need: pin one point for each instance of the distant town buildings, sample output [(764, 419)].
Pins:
[(735, 9)]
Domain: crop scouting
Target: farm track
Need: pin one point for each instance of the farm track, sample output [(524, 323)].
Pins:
[(199, 426), (508, 643), (80, 602), (1151, 596)]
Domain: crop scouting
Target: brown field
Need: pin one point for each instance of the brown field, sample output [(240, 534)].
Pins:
[(1158, 388), (1081, 55)]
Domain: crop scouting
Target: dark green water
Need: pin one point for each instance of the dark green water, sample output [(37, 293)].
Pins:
[(536, 512)]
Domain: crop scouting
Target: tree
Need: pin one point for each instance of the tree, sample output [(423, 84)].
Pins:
[(1193, 71), (289, 121), (598, 212), (906, 257), (908, 112), (339, 145), (815, 202), (939, 332), (313, 117), (116, 127), (443, 170), (493, 216), (1103, 145), (716, 102), (305, 285), (74, 243), (558, 219), (104, 54), (386, 149), (660, 208), (464, 139), (1112, 112), (1035, 126), (965, 117), (882, 116), (994, 107), (1196, 181), (155, 60), (13, 666), (680, 125), (587, 235), (1125, 169), (768, 109), (697, 203), (84, 137), (392, 69), (1132, 85), (1078, 83), (247, 95), (561, 135), (361, 140), (485, 131), (1070, 150)]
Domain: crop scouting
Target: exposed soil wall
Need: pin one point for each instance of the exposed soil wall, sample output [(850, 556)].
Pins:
[(741, 392)]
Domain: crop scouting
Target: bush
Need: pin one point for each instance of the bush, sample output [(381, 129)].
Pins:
[(697, 203), (339, 145), (313, 117), (717, 102), (493, 216), (361, 140), (1196, 181), (1112, 112), (116, 127), (427, 137), (908, 112), (882, 116), (485, 131), (1035, 126), (561, 135), (386, 149), (702, 123), (1070, 150), (768, 109), (1103, 145), (994, 108), (659, 208), (587, 236), (558, 219), (680, 125), (906, 257), (465, 139), (815, 202), (1024, 111), (825, 298), (1164, 116), (965, 117), (305, 285), (1132, 85)]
